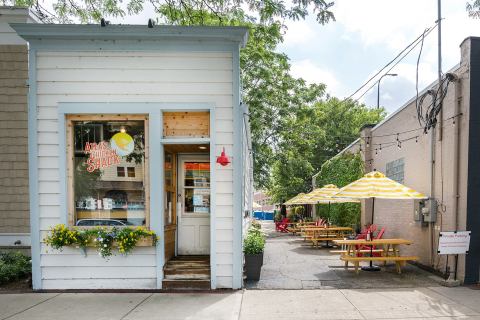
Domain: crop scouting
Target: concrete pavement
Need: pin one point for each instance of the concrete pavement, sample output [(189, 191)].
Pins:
[(291, 263), (399, 303)]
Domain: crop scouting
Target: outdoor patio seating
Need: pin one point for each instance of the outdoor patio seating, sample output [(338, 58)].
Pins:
[(282, 226), (390, 252)]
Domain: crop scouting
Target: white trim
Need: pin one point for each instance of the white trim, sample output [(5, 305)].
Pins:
[(9, 239)]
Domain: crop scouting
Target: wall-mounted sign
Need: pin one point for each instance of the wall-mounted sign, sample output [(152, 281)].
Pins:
[(100, 156), (122, 143), (454, 242)]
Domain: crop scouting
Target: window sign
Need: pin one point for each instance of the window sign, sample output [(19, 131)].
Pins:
[(454, 242), (109, 172)]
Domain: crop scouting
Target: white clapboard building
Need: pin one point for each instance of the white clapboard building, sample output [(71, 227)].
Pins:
[(125, 127)]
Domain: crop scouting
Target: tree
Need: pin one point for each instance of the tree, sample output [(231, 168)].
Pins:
[(270, 91), (313, 135), (340, 171), (473, 8), (89, 11)]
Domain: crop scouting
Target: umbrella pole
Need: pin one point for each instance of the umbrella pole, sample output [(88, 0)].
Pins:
[(373, 208), (371, 267)]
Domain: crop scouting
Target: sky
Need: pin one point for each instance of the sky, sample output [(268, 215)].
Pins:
[(365, 36), (369, 33)]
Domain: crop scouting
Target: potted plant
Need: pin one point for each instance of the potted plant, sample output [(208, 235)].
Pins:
[(253, 247)]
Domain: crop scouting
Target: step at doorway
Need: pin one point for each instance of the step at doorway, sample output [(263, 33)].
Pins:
[(187, 273)]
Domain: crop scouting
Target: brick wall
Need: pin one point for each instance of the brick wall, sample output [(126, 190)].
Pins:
[(14, 206)]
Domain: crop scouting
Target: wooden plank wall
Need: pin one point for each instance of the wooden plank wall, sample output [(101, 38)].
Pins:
[(186, 124)]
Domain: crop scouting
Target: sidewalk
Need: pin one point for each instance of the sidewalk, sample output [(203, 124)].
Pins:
[(405, 303)]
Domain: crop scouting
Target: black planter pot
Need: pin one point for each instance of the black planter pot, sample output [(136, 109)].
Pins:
[(253, 266)]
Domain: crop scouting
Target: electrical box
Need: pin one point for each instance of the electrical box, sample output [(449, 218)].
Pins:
[(429, 212), (418, 205)]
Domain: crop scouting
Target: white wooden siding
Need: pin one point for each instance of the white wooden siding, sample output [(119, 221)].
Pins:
[(127, 77)]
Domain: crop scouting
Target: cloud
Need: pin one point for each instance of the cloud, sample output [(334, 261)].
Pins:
[(310, 72), (298, 33)]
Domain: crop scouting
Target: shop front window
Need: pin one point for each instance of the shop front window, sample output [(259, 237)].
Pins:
[(108, 184)]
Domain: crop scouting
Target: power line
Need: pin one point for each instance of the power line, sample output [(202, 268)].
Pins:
[(399, 56)]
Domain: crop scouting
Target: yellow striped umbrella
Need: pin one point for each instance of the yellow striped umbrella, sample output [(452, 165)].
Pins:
[(290, 201), (376, 185), (325, 195)]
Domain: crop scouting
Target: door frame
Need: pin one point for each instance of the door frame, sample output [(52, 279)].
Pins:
[(211, 141), (182, 158)]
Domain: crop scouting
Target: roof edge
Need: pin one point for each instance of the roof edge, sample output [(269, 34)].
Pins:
[(130, 32)]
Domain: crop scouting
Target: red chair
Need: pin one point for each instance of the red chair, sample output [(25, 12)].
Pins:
[(367, 247), (282, 226)]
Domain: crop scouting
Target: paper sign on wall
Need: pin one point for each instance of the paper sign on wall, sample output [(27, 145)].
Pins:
[(454, 242)]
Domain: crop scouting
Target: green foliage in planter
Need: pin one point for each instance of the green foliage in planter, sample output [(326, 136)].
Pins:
[(341, 170), (101, 237), (14, 266), (254, 242)]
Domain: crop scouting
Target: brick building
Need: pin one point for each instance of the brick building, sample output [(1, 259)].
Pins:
[(445, 167)]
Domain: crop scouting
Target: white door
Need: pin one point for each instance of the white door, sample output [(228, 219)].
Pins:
[(193, 204)]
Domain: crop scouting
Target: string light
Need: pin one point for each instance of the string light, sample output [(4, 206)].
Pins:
[(368, 142), (376, 151)]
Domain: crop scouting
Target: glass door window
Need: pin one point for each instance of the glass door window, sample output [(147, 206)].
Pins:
[(196, 186)]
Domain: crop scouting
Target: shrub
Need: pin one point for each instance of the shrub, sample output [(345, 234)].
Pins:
[(254, 242), (14, 266), (256, 224), (299, 211), (278, 217)]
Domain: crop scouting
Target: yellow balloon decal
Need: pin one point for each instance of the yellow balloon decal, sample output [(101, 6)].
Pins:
[(122, 143)]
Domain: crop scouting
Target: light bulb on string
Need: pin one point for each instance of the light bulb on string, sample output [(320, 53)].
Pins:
[(368, 142), (376, 151), (416, 139), (399, 144), (380, 147)]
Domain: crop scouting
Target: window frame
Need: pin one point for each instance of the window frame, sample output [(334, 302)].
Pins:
[(120, 171), (129, 171), (70, 118)]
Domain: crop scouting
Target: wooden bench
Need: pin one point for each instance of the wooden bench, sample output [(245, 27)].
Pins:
[(360, 251), (399, 260)]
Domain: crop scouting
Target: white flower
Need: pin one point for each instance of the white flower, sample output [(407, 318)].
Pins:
[(100, 239), (95, 239), (105, 245)]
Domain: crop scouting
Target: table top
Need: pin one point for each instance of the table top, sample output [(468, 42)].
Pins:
[(374, 242), (320, 228)]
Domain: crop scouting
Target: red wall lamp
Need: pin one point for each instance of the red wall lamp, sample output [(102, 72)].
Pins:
[(223, 159)]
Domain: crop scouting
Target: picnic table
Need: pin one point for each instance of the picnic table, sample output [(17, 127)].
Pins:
[(295, 227), (317, 234), (389, 251)]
